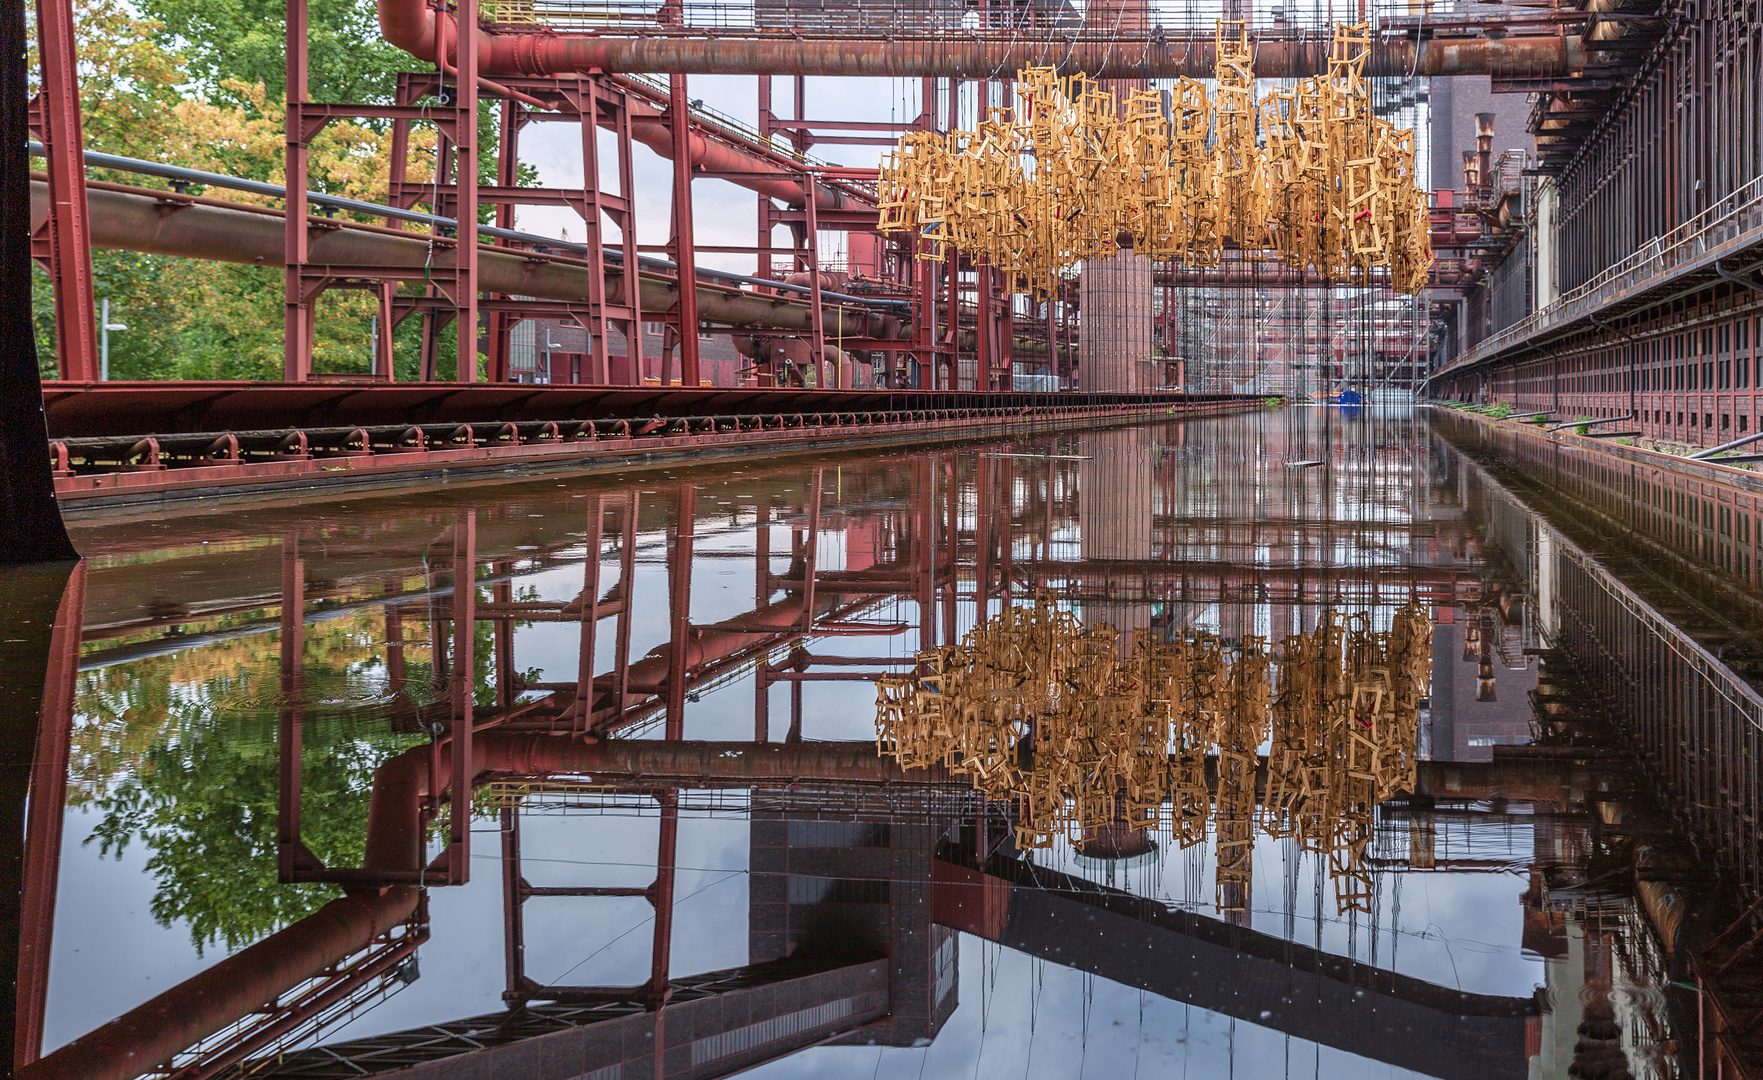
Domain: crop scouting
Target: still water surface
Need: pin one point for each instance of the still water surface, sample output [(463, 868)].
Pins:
[(1507, 930)]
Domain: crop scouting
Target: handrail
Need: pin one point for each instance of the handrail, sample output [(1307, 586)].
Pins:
[(1665, 250)]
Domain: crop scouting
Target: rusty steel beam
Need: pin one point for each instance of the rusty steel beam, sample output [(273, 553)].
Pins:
[(158, 222), (150, 1034), (65, 234), (43, 826), (414, 27), (394, 828), (979, 59), (394, 819)]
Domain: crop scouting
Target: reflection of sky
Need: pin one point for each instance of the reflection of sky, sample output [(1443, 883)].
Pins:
[(1453, 929), (1457, 930), (1026, 1017)]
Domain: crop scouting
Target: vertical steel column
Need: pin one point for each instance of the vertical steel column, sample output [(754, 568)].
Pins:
[(816, 314), (68, 238), (43, 826), (502, 594), (627, 568), (296, 320), (513, 906), (382, 352), (666, 852), (667, 844), (394, 641), (684, 240), (290, 852), (982, 539), (465, 148), (588, 110), (762, 597), (1007, 503), (798, 661), (626, 217), (500, 323), (679, 602), (924, 550), (767, 125), (584, 677), (811, 547), (952, 510), (458, 854)]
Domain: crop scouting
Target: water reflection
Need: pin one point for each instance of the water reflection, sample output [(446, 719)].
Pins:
[(618, 803)]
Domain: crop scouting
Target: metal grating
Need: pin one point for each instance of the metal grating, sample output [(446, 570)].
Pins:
[(753, 1036)]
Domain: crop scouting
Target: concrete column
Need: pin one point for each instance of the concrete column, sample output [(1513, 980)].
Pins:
[(1116, 342)]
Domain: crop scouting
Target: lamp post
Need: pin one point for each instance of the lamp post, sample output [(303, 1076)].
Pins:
[(105, 326)]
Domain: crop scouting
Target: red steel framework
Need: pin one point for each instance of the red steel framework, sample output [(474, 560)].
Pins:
[(63, 245), (964, 332)]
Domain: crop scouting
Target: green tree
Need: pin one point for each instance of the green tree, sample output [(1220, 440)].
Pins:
[(242, 41)]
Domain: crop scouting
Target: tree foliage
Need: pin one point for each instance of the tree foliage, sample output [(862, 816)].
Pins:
[(201, 85), (178, 752)]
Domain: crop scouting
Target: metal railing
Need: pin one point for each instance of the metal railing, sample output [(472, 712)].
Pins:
[(1733, 217), (1699, 725), (1696, 724)]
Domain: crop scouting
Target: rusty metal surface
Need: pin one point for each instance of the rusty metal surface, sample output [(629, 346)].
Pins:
[(63, 241), (981, 58), (123, 409), (968, 53), (205, 1003)]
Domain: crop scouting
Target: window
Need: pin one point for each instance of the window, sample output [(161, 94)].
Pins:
[(1707, 340), (1725, 337)]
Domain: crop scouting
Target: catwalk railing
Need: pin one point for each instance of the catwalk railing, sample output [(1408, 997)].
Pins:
[(1697, 724), (1737, 217)]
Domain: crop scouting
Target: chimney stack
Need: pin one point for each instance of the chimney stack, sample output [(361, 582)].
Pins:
[(1484, 148)]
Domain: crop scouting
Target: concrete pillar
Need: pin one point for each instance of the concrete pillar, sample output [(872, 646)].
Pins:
[(1116, 337), (1114, 515)]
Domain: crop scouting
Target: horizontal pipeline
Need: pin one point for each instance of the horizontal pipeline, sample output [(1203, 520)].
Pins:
[(141, 167), (555, 54), (136, 219), (411, 25)]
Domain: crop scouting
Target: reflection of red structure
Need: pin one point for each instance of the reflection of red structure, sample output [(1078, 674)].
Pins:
[(929, 533)]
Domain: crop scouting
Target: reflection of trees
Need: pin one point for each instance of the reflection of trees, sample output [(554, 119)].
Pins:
[(205, 806), (179, 751)]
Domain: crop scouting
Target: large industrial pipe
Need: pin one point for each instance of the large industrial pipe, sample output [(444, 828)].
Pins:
[(394, 822), (953, 57), (150, 1034), (394, 832), (411, 25), (749, 170), (706, 645), (139, 219)]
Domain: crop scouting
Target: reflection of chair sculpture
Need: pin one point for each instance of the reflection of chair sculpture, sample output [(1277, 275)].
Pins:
[(1042, 713)]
